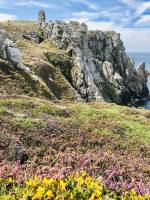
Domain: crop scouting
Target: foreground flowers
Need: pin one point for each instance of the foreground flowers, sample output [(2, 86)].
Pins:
[(75, 187)]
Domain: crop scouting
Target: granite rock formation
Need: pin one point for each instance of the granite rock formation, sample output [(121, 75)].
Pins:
[(102, 70), (96, 66)]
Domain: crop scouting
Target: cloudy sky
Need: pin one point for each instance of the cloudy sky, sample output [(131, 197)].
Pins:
[(129, 17)]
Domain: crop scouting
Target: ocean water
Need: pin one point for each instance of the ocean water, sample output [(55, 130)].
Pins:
[(140, 58)]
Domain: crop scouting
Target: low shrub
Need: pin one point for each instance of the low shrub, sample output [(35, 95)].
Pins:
[(74, 187)]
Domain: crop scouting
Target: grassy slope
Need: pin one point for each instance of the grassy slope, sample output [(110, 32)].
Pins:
[(34, 57), (97, 137)]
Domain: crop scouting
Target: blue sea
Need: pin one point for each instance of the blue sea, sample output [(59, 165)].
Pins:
[(140, 58)]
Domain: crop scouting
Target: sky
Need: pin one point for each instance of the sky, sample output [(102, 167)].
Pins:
[(131, 18)]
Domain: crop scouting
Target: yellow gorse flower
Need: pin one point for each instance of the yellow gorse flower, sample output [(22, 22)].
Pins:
[(72, 187), (92, 197), (80, 180), (62, 185), (49, 194), (31, 183), (98, 193), (48, 182), (40, 193), (10, 180)]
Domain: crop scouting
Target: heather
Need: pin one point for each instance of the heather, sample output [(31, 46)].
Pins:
[(58, 139)]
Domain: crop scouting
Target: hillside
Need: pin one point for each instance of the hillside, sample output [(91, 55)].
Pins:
[(59, 137), (52, 84)]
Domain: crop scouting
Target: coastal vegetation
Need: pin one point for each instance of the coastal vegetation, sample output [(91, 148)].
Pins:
[(64, 142), (68, 126)]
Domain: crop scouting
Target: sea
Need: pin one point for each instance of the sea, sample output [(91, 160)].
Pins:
[(138, 59)]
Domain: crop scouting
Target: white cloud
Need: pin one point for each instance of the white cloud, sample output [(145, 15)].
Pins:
[(139, 6), (136, 39), (109, 13), (2, 2), (5, 4), (6, 17), (34, 3), (144, 20), (90, 5), (131, 3), (143, 7)]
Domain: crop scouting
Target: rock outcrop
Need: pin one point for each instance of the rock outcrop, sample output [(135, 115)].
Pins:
[(102, 70), (25, 68), (92, 64), (10, 52), (8, 49)]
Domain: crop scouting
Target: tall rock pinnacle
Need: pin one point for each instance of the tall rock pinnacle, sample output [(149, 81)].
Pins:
[(41, 18)]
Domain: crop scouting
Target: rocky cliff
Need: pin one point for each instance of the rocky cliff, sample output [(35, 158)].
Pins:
[(92, 65), (102, 70)]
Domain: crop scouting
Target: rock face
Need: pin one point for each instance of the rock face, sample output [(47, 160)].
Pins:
[(8, 49), (97, 67), (102, 70)]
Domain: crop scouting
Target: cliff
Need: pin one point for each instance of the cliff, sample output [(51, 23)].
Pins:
[(102, 70), (65, 58)]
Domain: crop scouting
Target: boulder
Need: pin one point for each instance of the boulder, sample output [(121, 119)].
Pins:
[(14, 55), (8, 48)]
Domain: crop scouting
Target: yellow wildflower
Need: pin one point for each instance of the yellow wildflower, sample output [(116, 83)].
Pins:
[(40, 192), (10, 180), (80, 180), (31, 183), (49, 194), (62, 185), (93, 185), (98, 193), (71, 196), (48, 182), (92, 197)]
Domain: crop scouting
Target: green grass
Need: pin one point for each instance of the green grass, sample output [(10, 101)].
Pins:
[(33, 107), (28, 123), (103, 131), (105, 119), (113, 120), (2, 112), (44, 109), (18, 103)]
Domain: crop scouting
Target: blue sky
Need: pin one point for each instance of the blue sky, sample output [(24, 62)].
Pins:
[(129, 17)]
